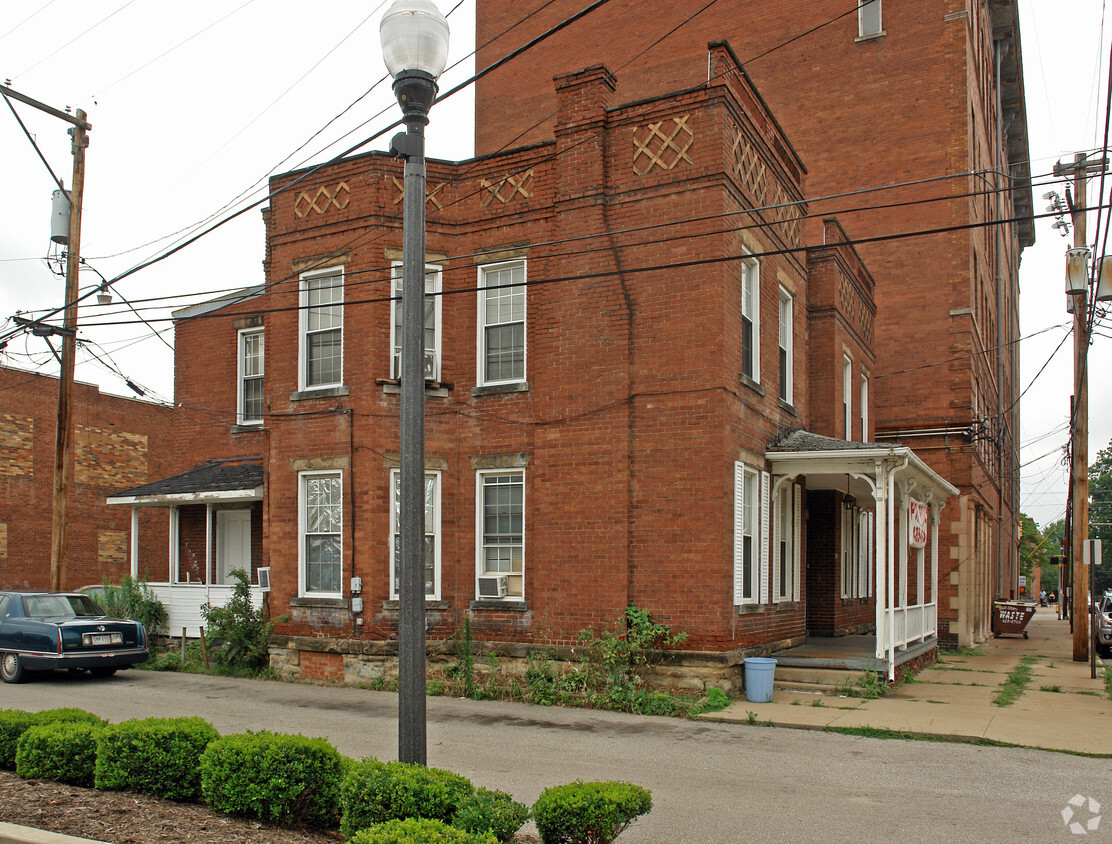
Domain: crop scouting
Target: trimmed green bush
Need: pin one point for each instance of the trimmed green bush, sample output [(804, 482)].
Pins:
[(588, 812), (284, 779), (14, 722), (61, 750), (156, 756), (491, 811), (375, 792), (418, 831)]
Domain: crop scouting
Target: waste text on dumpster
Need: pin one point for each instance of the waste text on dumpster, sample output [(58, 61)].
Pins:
[(1011, 615)]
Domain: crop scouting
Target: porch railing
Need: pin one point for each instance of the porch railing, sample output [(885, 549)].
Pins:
[(911, 624), (183, 603)]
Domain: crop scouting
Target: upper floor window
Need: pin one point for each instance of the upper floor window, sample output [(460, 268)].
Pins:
[(847, 398), (786, 355), (433, 330), (249, 401), (864, 408), (322, 329), (502, 323), (321, 528), (432, 534), (868, 18), (750, 319)]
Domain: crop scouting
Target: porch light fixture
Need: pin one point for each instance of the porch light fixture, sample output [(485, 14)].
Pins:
[(1077, 270), (414, 36), (849, 502)]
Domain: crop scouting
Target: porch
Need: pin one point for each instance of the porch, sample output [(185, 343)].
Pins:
[(847, 653)]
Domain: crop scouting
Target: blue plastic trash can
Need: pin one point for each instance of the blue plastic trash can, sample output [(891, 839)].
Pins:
[(759, 673)]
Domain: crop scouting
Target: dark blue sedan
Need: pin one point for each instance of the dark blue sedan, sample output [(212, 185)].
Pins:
[(41, 631)]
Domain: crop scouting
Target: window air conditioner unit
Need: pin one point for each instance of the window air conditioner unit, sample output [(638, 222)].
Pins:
[(493, 586)]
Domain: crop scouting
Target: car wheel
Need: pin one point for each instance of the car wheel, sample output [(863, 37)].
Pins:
[(103, 672), (11, 668)]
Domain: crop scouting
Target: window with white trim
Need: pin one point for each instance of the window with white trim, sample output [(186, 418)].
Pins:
[(750, 319), (786, 537), (502, 323), (321, 522), (432, 534), (501, 528), (786, 352), (852, 552), (747, 535), (847, 402), (868, 18), (249, 396), (322, 330), (433, 329), (864, 408)]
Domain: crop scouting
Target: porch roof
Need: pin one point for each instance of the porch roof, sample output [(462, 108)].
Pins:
[(224, 481), (831, 463)]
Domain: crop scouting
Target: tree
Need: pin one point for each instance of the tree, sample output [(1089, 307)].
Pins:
[(1100, 515), (1035, 549)]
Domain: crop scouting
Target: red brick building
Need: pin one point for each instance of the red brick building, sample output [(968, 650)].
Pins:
[(919, 104), (117, 442), (630, 353)]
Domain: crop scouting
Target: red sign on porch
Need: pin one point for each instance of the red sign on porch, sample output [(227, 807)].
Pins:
[(917, 524)]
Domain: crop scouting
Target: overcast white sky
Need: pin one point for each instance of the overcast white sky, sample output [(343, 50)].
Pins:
[(194, 104)]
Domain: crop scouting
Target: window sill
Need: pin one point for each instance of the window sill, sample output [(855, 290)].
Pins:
[(485, 604), (322, 393), (500, 389), (435, 389), (750, 609), (393, 605), (787, 407), (246, 429), (746, 381), (787, 606), (320, 603), (872, 36)]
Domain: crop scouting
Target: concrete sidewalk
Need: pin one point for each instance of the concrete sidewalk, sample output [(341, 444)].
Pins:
[(1062, 708)]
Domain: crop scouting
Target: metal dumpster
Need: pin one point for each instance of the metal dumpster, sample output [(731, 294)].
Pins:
[(1011, 617)]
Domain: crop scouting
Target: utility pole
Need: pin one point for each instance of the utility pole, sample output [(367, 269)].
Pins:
[(63, 441), (1080, 170)]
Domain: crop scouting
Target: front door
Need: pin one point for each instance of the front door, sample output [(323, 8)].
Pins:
[(233, 543)]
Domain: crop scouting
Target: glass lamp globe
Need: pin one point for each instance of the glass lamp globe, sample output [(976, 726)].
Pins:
[(414, 36)]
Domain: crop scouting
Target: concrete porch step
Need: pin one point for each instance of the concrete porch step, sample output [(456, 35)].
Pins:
[(813, 680)]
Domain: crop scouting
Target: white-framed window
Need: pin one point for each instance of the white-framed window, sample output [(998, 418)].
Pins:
[(864, 408), (847, 398), (432, 533), (433, 328), (747, 535), (851, 553), (786, 353), (785, 543), (750, 319), (322, 329), (249, 396), (501, 528), (868, 18), (502, 323), (320, 526)]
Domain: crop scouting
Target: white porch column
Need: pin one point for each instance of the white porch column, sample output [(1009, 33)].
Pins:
[(134, 551), (936, 519), (880, 526), (208, 549), (890, 538), (905, 508), (174, 573)]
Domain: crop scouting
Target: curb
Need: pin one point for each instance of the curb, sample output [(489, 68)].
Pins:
[(12, 834)]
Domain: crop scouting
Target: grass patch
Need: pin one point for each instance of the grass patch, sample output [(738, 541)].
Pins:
[(1055, 689), (963, 651), (1107, 671), (1016, 683)]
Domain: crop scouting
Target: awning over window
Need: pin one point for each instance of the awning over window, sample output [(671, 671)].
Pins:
[(217, 481)]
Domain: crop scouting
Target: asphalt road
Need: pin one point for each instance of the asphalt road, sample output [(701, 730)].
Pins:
[(710, 782)]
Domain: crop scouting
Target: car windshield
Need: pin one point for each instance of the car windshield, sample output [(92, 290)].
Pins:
[(60, 606)]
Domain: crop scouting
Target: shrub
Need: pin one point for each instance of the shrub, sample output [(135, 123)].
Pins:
[(588, 812), (156, 756), (13, 723), (418, 831), (375, 792), (134, 599), (60, 750), (164, 661), (491, 811), (284, 779), (242, 631)]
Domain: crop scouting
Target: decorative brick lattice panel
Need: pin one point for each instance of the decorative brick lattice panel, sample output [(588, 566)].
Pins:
[(111, 548), (786, 214), (749, 168), (109, 458), (17, 434), (323, 200), (852, 304), (663, 144), (752, 173), (507, 188), (430, 194)]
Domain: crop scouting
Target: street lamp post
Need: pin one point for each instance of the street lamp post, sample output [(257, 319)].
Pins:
[(414, 38)]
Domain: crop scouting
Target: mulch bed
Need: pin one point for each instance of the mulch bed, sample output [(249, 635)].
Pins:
[(120, 817)]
